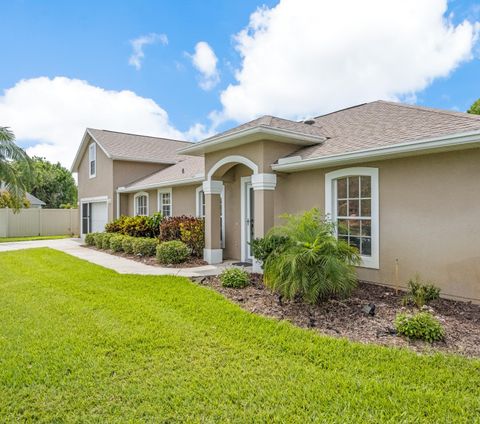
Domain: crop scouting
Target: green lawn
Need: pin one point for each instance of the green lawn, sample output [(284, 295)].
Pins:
[(82, 343), (12, 239)]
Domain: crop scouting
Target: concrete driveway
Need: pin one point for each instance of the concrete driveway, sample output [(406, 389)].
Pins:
[(73, 246)]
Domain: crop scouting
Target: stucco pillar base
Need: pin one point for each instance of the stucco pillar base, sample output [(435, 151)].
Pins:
[(213, 256), (257, 266)]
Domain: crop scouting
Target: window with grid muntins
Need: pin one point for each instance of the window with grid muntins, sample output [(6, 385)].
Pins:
[(166, 204), (354, 212), (142, 205)]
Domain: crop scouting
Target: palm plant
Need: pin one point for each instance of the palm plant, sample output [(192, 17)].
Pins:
[(312, 263), (14, 178)]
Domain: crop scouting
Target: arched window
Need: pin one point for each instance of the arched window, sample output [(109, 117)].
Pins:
[(141, 204), (351, 201)]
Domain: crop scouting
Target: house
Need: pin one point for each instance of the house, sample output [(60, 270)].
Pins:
[(33, 201), (402, 180)]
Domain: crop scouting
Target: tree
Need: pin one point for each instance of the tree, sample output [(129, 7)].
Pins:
[(12, 178), (52, 183), (475, 108)]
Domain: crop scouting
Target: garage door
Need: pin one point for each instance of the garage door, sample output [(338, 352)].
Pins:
[(99, 216), (94, 217)]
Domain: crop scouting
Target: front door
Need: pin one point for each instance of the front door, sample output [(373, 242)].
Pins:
[(248, 206)]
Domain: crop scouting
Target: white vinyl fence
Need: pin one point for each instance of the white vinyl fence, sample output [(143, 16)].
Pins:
[(39, 222)]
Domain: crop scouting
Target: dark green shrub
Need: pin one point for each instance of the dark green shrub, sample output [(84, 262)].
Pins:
[(135, 226), (262, 248), (90, 239), (116, 242), (422, 325), (127, 244), (172, 252), (420, 294), (154, 222), (192, 233), (99, 240), (313, 264), (143, 246), (106, 240), (235, 278)]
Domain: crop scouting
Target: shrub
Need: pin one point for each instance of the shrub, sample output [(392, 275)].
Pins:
[(99, 240), (154, 222), (172, 252), (116, 242), (192, 233), (236, 278), (143, 246), (90, 239), (106, 240), (422, 325), (135, 226), (420, 294), (262, 248), (312, 264), (170, 228), (127, 244)]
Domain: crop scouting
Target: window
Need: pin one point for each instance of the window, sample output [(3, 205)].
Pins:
[(141, 204), (351, 201), (200, 203), (165, 202), (92, 160)]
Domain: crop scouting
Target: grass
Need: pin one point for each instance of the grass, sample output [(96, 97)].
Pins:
[(30, 238), (81, 343)]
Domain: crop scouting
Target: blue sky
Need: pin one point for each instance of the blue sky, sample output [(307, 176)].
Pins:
[(91, 41)]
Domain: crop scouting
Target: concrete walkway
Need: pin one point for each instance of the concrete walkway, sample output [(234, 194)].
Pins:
[(74, 247)]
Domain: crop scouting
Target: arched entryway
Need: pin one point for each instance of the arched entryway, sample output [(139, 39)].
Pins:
[(248, 197)]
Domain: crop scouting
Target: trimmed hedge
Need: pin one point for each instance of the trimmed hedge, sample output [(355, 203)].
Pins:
[(106, 240), (143, 246), (98, 240), (116, 243), (90, 239), (172, 252), (127, 244)]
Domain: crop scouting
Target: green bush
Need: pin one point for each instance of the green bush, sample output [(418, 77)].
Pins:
[(99, 240), (106, 240), (116, 243), (236, 278), (192, 233), (420, 294), (262, 248), (422, 325), (143, 246), (90, 239), (172, 252), (136, 226), (127, 244), (312, 264)]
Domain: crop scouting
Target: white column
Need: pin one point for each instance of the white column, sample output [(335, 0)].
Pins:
[(213, 253)]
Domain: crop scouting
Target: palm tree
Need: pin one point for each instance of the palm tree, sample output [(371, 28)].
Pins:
[(13, 177)]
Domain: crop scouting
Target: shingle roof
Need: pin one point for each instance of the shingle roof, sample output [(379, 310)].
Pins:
[(34, 200), (382, 123), (273, 122), (123, 146), (189, 167)]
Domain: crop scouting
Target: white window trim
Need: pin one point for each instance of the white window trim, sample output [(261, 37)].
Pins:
[(160, 191), (198, 209), (141, 193), (330, 207), (90, 154)]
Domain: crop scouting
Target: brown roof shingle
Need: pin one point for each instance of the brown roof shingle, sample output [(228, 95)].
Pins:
[(382, 123), (124, 146)]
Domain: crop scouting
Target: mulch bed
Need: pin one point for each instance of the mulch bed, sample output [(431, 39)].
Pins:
[(151, 260), (346, 318)]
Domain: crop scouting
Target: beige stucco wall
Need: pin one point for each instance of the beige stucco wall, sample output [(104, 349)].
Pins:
[(101, 184), (429, 218), (184, 202)]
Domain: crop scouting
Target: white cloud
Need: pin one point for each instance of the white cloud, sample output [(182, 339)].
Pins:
[(205, 61), (51, 115), (139, 43), (307, 57)]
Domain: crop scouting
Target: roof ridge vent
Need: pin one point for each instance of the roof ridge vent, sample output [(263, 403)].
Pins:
[(309, 121)]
